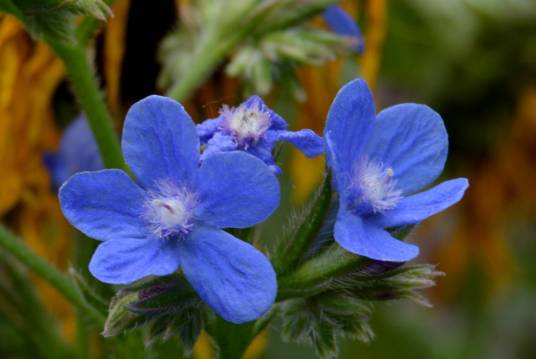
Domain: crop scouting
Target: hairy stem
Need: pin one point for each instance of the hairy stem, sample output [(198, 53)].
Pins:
[(58, 280), (86, 88), (232, 339), (296, 244), (313, 275)]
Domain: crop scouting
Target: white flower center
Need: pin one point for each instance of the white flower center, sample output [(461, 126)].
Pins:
[(247, 124), (169, 211), (375, 186)]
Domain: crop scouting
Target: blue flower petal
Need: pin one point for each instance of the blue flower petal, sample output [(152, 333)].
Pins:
[(104, 205), (349, 124), (160, 142), (415, 208), (263, 150), (305, 140), (219, 143), (123, 261), (343, 24), (207, 128), (236, 190), (412, 140), (231, 276), (366, 239)]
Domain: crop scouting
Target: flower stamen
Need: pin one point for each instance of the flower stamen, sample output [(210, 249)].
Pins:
[(374, 187), (169, 211), (247, 123)]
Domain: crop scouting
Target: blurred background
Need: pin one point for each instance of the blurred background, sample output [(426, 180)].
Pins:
[(473, 61)]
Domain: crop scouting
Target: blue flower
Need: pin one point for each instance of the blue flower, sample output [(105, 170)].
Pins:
[(78, 152), (172, 217), (379, 163), (254, 128), (343, 24)]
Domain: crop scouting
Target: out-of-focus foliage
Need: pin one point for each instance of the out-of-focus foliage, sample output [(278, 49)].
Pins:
[(21, 311), (273, 57), (54, 18), (274, 37), (27, 130)]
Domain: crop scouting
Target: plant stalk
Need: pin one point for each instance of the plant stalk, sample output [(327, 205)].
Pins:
[(297, 243), (81, 75), (58, 280), (232, 339), (312, 276), (219, 39)]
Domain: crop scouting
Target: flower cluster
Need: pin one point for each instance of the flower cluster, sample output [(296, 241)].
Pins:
[(193, 182), (254, 128), (172, 216)]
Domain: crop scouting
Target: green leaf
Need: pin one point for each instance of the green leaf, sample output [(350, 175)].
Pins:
[(275, 55), (205, 38), (283, 14), (54, 19)]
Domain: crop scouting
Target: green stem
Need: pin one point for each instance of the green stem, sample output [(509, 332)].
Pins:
[(218, 40), (313, 275), (81, 75), (82, 337), (206, 58), (54, 277), (232, 339), (297, 243), (85, 86)]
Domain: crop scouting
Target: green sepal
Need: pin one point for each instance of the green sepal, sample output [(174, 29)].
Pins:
[(166, 306), (120, 318), (323, 319), (400, 282)]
